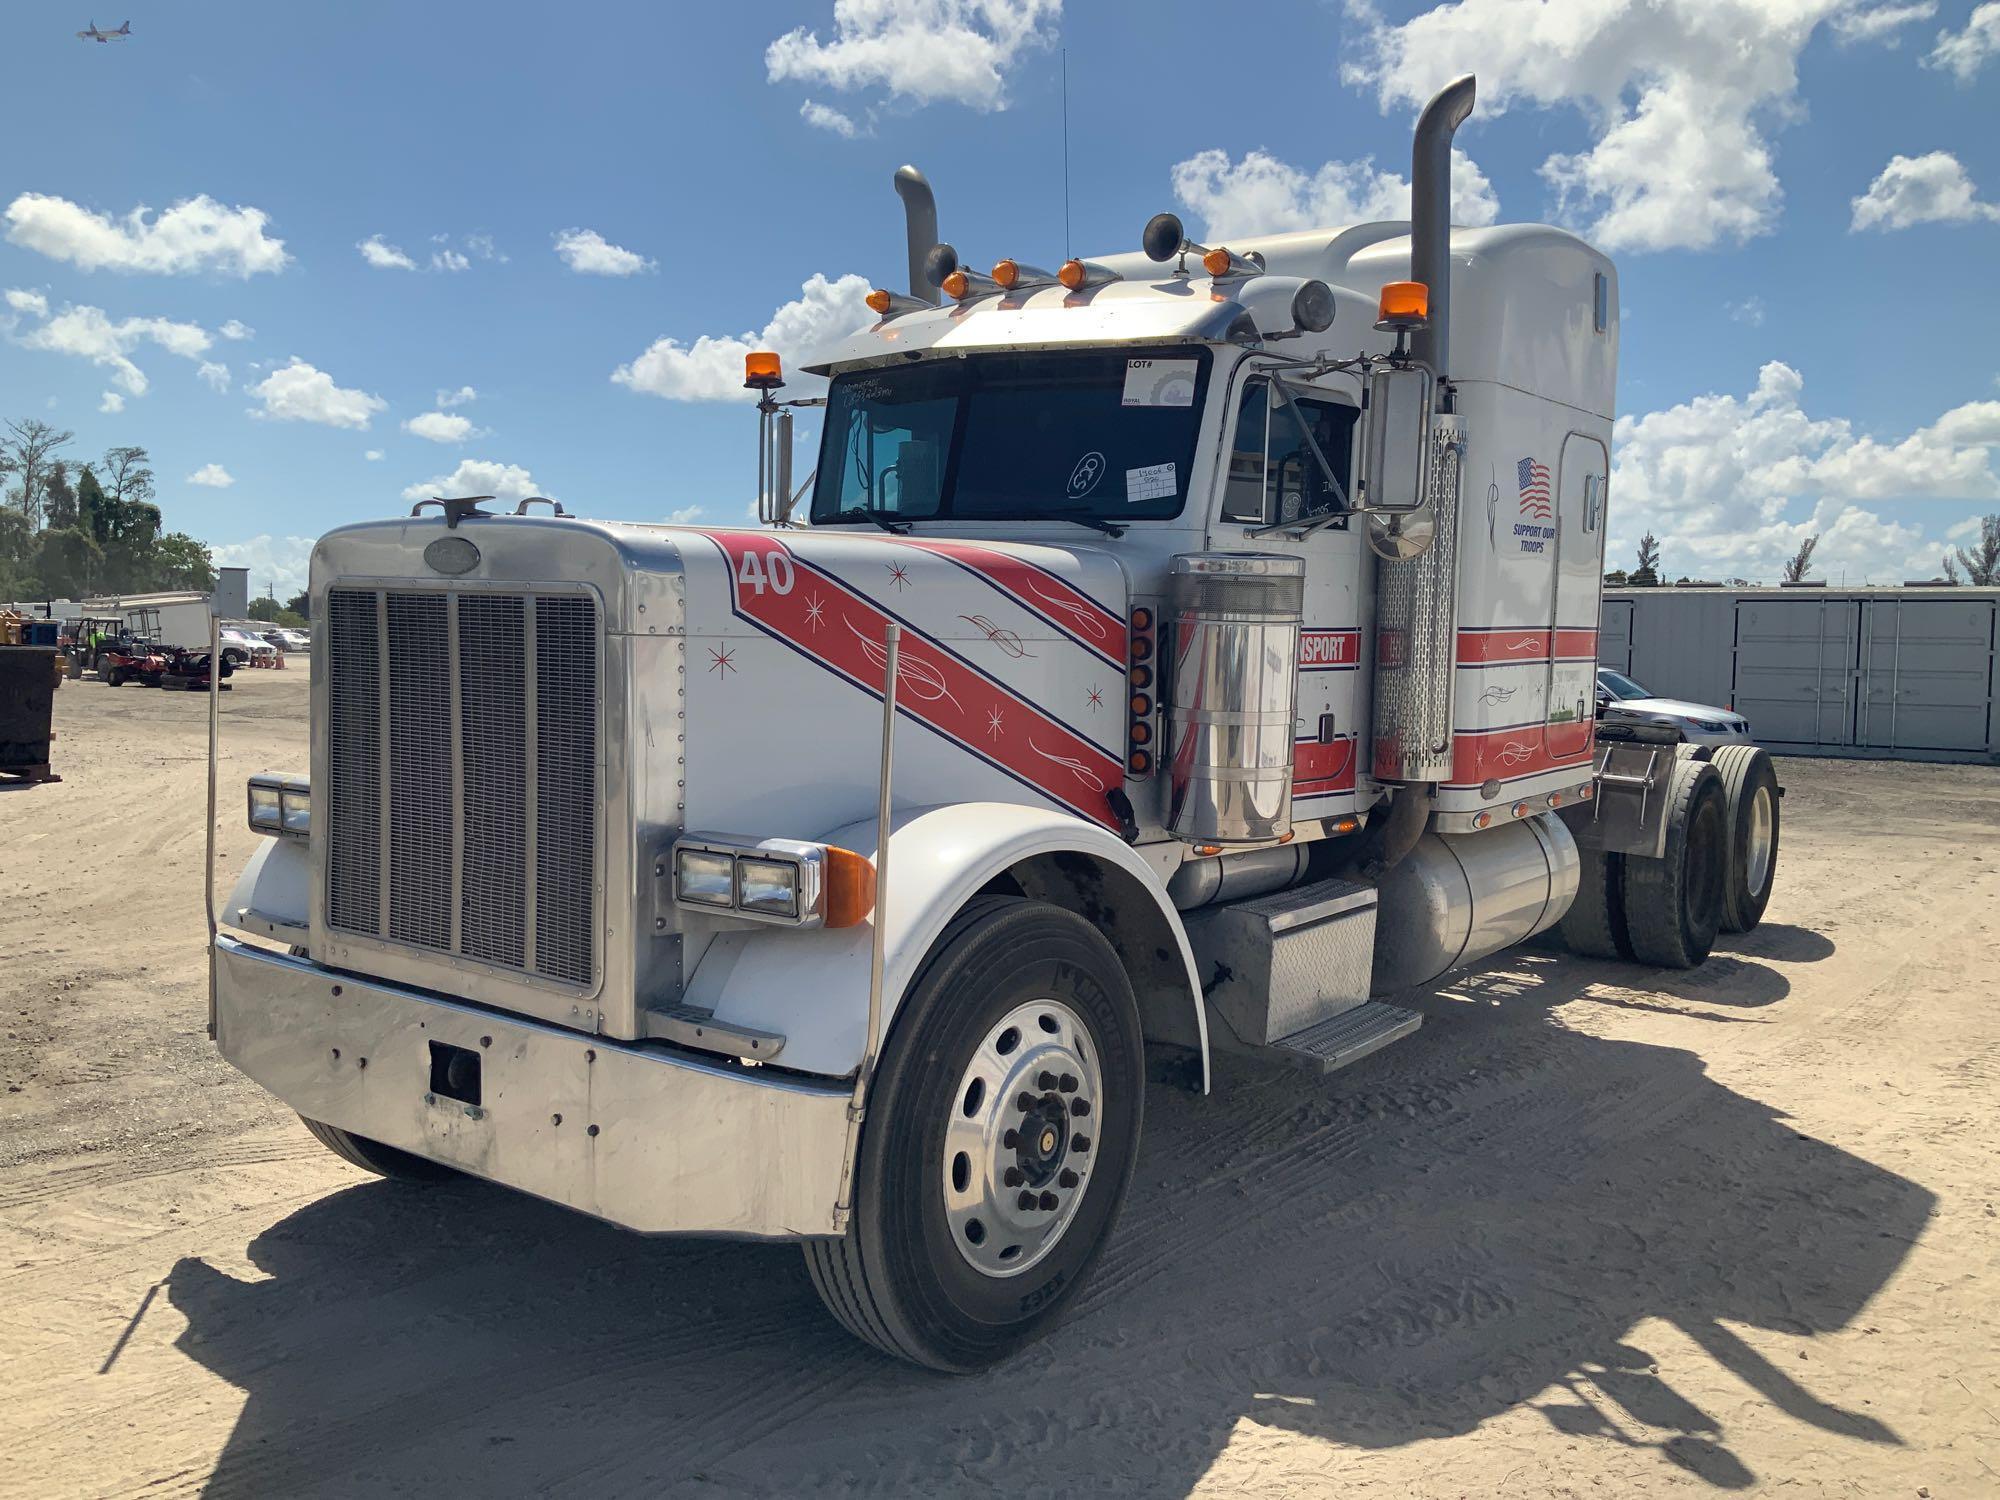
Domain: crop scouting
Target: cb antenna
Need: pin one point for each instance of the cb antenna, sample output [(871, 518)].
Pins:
[(1067, 248)]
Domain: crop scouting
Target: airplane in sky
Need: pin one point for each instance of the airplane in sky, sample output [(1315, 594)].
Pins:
[(92, 34)]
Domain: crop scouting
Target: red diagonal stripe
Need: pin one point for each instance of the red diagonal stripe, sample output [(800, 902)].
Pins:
[(846, 632), (1057, 601)]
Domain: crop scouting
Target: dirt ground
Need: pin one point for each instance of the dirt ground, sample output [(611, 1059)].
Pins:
[(1594, 1230)]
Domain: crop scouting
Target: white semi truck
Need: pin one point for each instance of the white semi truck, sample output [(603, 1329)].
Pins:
[(1191, 646)]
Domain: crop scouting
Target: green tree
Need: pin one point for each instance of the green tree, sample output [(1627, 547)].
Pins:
[(1980, 563), (27, 450), (1801, 562), (68, 560), (271, 612), (58, 498), (1647, 574), (300, 604), (128, 475), (20, 576), (181, 562)]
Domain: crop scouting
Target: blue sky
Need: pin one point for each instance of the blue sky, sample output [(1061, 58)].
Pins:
[(1799, 194)]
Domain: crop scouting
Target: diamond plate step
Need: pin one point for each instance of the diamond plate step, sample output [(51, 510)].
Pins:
[(1347, 1037)]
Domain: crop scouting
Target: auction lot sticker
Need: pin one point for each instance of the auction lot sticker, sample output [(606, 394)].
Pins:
[(1159, 382)]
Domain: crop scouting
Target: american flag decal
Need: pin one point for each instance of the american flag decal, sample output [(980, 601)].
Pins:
[(1534, 480)]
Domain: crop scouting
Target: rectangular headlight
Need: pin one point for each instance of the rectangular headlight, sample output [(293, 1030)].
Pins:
[(767, 887), (265, 814), (281, 804), (704, 877)]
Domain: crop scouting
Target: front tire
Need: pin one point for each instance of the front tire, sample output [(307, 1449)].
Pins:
[(1002, 1128), (373, 1156)]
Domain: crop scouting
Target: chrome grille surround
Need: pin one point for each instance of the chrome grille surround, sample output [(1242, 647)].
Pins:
[(463, 781)]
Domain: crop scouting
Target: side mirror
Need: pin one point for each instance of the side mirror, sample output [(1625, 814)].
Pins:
[(1396, 442)]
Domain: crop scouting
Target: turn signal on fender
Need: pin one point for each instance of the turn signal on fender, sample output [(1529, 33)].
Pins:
[(850, 887)]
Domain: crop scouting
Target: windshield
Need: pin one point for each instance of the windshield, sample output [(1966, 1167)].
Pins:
[(1619, 686), (1093, 434)]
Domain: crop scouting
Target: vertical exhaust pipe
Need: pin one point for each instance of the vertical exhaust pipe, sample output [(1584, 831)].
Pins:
[(920, 225), (1430, 220)]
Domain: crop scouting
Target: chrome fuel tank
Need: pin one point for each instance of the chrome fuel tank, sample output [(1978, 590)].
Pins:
[(1458, 897), (1234, 694)]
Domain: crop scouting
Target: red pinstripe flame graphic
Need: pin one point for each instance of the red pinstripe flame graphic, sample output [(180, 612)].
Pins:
[(1064, 606)]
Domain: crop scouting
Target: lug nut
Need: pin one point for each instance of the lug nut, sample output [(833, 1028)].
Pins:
[(1068, 1179), (1079, 1107), (1012, 1177), (1026, 1200), (1079, 1143), (1046, 1082), (1067, 1084), (1025, 1103), (1010, 1140), (1049, 1202)]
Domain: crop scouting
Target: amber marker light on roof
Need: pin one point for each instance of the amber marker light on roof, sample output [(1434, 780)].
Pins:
[(1404, 304)]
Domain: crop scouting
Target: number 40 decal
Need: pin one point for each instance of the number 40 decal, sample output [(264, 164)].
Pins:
[(755, 573)]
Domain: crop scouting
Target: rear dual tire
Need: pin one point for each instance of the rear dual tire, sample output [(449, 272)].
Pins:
[(924, 1271), (1754, 802)]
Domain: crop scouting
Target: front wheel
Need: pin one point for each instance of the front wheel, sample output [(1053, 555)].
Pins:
[(373, 1156), (1001, 1133)]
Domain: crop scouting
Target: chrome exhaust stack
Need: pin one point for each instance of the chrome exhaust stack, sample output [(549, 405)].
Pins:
[(920, 227), (1430, 222)]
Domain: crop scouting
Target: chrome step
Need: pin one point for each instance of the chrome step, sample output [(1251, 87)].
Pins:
[(1347, 1037)]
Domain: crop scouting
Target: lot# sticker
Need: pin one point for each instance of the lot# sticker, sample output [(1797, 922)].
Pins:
[(1159, 382), (1154, 482)]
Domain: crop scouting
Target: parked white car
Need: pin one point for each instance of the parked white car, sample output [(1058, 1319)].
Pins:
[(291, 642), (1619, 697), (241, 648)]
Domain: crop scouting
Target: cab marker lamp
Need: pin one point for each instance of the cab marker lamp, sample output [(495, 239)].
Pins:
[(281, 805), (786, 882), (887, 304), (1080, 275), (1011, 276)]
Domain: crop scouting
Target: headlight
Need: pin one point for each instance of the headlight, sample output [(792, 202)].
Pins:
[(705, 877), (786, 881), (1713, 726), (281, 804), (768, 887)]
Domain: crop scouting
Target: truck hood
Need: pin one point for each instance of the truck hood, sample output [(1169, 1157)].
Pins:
[(1678, 708)]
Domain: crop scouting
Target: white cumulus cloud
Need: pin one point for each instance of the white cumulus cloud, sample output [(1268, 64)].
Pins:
[(1263, 195), (1716, 476), (589, 253), (446, 400), (440, 427), (1882, 23), (297, 392), (212, 476), (449, 260), (826, 117), (214, 375), (1928, 189), (282, 562), (1963, 53), (235, 331), (384, 256), (33, 303), (374, 455), (921, 50), (197, 234), (711, 368), (685, 516), (89, 333), (112, 402), (1680, 97), (477, 476)]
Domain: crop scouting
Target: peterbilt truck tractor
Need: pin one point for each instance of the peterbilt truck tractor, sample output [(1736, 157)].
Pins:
[(1191, 646)]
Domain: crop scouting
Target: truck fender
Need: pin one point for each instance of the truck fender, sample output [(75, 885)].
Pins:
[(811, 986), (273, 895)]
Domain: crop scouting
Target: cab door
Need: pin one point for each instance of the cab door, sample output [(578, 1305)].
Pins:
[(1271, 476)]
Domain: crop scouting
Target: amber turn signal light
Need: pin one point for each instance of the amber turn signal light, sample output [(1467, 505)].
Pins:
[(850, 887), (879, 301), (1404, 305)]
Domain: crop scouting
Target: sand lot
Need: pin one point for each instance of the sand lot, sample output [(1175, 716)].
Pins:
[(1594, 1230)]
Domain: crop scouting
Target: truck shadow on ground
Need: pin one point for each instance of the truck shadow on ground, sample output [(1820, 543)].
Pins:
[(1475, 1221)]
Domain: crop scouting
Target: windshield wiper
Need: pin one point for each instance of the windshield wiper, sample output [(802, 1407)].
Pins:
[(1095, 523), (888, 520)]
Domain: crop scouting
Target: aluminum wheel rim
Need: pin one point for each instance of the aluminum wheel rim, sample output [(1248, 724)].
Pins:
[(1757, 846), (1021, 1139)]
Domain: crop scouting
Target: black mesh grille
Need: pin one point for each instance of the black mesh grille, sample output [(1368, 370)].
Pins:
[(493, 907), (565, 784), (354, 761)]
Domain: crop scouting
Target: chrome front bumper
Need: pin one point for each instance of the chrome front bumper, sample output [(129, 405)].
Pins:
[(656, 1141)]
